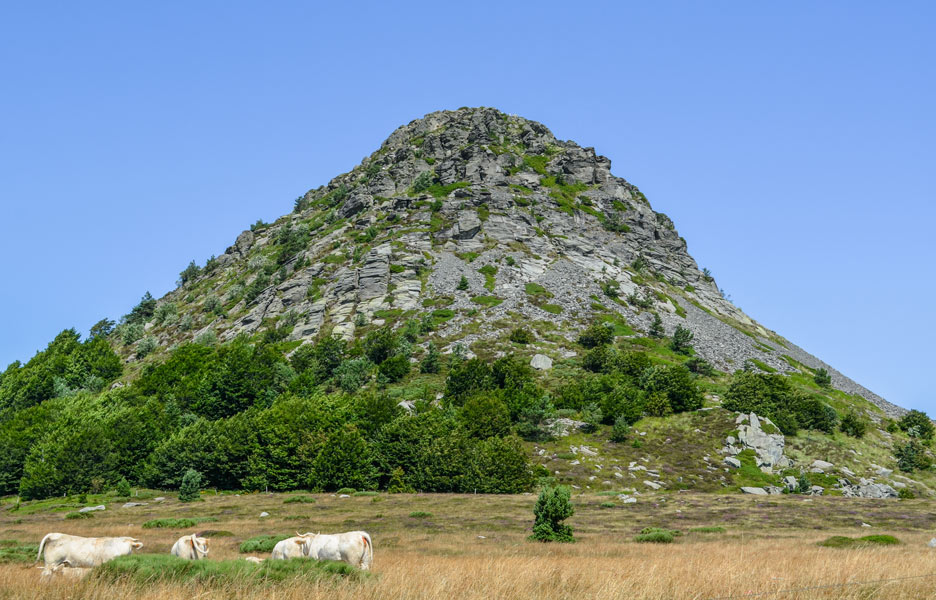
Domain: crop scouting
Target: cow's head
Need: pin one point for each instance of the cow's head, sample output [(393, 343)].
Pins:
[(199, 544), (304, 540), (135, 544)]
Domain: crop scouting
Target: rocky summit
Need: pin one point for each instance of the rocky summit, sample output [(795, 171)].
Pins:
[(485, 221)]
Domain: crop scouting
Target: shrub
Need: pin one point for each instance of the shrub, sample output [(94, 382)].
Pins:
[(431, 363), (552, 508), (78, 515), (485, 415), (123, 487), (841, 541), (423, 181), (854, 424), (607, 505), (591, 416), (912, 456), (261, 543), (177, 523), (345, 490), (191, 486), (146, 346), (419, 514), (598, 334), (700, 366), (656, 535), (394, 368), (346, 460), (189, 273), (707, 530), (521, 336), (462, 283), (917, 425), (352, 374), (299, 500), (822, 378), (656, 327), (397, 484), (381, 344), (131, 332), (682, 338), (905, 494), (620, 429)]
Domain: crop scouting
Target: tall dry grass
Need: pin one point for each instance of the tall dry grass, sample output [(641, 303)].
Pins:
[(463, 566)]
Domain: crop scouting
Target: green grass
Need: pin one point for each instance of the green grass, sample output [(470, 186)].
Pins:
[(607, 505), (535, 289), (441, 191), (419, 514), (334, 259), (14, 551), (551, 308), (840, 541), (388, 313), (620, 324), (79, 515), (483, 213), (366, 493), (299, 500), (487, 301), (750, 475), (707, 530), (177, 523), (144, 569), (489, 271), (397, 268), (468, 256), (261, 543), (346, 490), (762, 366)]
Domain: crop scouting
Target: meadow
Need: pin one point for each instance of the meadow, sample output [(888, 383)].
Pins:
[(475, 546)]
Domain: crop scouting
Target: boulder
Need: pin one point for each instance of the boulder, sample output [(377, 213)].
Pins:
[(821, 464), (652, 485), (732, 462), (132, 504), (264, 514), (932, 543), (541, 362), (767, 446), (756, 491), (88, 509)]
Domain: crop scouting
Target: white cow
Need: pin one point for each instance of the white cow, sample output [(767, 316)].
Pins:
[(59, 548), (63, 571), (289, 548), (353, 547), (190, 547)]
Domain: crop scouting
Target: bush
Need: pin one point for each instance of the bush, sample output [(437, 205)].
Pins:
[(191, 486), (700, 366), (419, 514), (656, 535), (346, 460), (462, 283), (423, 181), (619, 430), (676, 383), (840, 541), (598, 334), (261, 543), (822, 378), (911, 457), (381, 344), (485, 415), (682, 338), (552, 508), (146, 346), (905, 494), (79, 515), (394, 368), (123, 487), (189, 273), (352, 374), (917, 425), (177, 523), (299, 500), (656, 327), (854, 424), (521, 336), (591, 416), (345, 490), (431, 363)]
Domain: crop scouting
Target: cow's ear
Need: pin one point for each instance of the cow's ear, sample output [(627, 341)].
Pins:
[(300, 541)]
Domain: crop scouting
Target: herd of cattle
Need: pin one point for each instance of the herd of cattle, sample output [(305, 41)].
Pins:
[(73, 556)]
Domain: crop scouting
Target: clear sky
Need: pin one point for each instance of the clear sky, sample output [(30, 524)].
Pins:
[(792, 143)]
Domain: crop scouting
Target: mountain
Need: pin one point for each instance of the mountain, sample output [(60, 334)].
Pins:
[(540, 228), (477, 306)]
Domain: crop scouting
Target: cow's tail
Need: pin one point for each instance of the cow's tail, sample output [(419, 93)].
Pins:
[(368, 556), (41, 546)]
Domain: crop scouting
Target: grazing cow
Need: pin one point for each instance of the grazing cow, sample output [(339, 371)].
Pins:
[(59, 548), (190, 547), (63, 571), (253, 559), (290, 547), (353, 547)]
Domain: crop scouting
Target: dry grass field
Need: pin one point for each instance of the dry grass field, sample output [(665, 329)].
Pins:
[(476, 547)]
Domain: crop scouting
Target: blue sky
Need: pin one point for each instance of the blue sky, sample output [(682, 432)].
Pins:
[(792, 143)]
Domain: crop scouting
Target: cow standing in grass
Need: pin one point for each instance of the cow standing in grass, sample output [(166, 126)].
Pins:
[(63, 571), (60, 548), (353, 547), (190, 547), (290, 547)]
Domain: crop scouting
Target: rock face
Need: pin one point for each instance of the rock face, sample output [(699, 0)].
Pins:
[(767, 447), (459, 191)]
